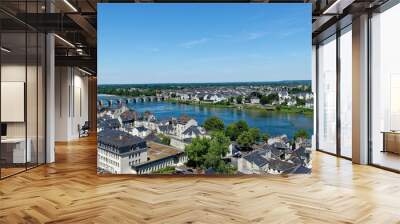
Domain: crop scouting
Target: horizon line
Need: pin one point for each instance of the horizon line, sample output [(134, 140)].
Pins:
[(175, 83)]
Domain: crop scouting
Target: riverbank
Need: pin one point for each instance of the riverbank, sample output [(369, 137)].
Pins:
[(285, 121), (254, 107), (277, 109)]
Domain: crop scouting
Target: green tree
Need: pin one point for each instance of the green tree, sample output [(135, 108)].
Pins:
[(208, 153), (214, 124), (300, 102), (301, 133), (242, 126), (273, 97), (235, 129), (231, 132), (196, 151), (239, 99), (265, 137), (255, 94), (264, 100), (219, 144), (245, 139), (255, 133)]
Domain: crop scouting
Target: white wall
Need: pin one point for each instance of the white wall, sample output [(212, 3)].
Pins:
[(71, 102)]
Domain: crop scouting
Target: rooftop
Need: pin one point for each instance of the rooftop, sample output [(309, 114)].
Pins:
[(184, 119), (120, 141), (158, 151)]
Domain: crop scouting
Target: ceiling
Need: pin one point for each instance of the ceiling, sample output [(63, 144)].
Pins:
[(75, 22)]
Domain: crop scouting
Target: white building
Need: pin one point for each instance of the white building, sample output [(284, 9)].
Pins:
[(117, 151), (254, 100), (140, 132), (183, 123)]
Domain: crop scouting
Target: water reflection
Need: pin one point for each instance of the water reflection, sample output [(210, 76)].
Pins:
[(271, 122)]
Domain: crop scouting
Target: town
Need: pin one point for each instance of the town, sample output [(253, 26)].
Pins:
[(130, 142), (289, 96)]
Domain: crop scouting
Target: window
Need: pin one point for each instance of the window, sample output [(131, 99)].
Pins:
[(346, 92), (385, 89), (327, 95)]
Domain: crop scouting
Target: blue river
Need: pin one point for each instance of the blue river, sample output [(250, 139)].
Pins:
[(273, 123)]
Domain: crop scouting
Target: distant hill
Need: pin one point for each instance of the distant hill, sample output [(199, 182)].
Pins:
[(183, 85)]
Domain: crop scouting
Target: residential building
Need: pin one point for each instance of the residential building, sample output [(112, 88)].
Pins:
[(182, 124), (128, 117), (118, 151), (140, 132), (255, 100)]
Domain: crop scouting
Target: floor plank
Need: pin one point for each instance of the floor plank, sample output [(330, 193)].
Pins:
[(69, 191)]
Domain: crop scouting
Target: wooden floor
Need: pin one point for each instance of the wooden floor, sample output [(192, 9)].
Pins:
[(386, 159), (69, 191)]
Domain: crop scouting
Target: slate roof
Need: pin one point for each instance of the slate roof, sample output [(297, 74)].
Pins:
[(256, 158), (119, 142), (163, 122), (279, 145), (152, 138), (141, 129), (166, 128), (276, 151), (301, 152), (192, 129), (300, 156), (280, 165), (109, 123), (299, 169)]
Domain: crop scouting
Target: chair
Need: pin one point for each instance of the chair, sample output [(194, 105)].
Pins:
[(84, 130)]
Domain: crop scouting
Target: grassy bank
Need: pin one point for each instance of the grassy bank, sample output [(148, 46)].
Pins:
[(277, 109)]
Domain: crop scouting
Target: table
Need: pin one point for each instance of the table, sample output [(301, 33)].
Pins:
[(13, 150), (391, 141)]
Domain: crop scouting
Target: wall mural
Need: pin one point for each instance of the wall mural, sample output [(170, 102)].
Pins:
[(185, 89)]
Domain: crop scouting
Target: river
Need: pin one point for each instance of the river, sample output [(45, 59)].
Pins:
[(273, 123)]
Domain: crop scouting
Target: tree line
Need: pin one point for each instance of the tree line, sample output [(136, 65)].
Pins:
[(206, 153)]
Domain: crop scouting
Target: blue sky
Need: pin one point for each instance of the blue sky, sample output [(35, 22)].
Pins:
[(188, 43)]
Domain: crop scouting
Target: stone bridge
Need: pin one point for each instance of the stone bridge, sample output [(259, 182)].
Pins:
[(128, 100)]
